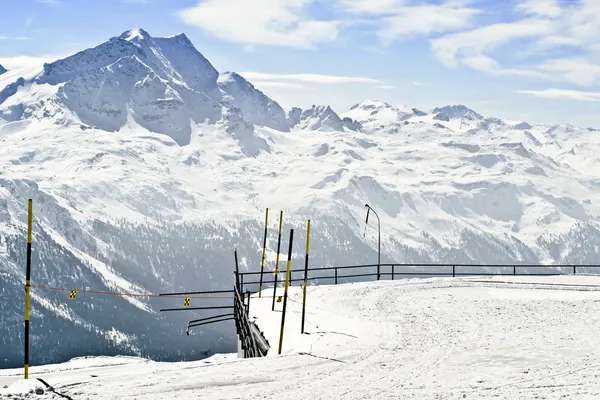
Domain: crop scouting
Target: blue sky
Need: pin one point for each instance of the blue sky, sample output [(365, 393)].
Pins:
[(537, 60)]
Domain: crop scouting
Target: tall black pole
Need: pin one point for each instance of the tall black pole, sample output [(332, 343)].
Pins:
[(285, 293), (277, 260), (305, 276), (378, 240), (262, 263), (28, 286)]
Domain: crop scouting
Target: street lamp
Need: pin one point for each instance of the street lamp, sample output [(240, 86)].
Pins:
[(368, 207)]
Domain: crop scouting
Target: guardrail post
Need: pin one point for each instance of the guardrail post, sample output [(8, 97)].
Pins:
[(514, 270), (392, 271), (574, 269), (336, 275), (248, 304), (241, 280), (454, 271)]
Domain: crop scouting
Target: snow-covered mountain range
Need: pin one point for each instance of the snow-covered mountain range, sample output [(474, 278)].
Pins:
[(147, 168)]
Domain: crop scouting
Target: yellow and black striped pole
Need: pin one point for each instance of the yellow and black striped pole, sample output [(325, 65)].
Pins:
[(277, 259), (285, 293), (28, 285), (305, 276), (262, 264)]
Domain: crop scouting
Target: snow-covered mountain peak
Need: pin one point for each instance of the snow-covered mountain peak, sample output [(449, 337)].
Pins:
[(229, 76), (256, 107), (2, 70), (135, 34), (97, 57), (455, 112), (317, 118), (370, 105), (374, 115)]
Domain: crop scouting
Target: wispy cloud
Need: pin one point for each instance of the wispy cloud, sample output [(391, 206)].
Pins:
[(279, 85), (544, 25), (385, 87), (28, 22), (472, 45), (371, 6), (544, 8), (563, 94), (313, 78), (425, 20), (576, 70), (15, 38), (27, 61), (269, 22)]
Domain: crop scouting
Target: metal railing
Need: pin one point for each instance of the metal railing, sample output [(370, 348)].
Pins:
[(352, 273)]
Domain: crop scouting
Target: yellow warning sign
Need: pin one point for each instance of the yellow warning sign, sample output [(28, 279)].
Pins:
[(72, 294), (187, 301), (279, 298)]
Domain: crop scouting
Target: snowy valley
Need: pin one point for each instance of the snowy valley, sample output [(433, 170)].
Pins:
[(147, 167)]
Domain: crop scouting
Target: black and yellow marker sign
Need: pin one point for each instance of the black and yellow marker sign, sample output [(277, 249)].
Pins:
[(73, 294), (186, 302), (279, 298)]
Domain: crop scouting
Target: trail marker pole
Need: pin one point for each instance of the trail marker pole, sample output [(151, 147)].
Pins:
[(378, 241), (285, 293), (305, 276), (262, 264), (28, 286), (277, 259)]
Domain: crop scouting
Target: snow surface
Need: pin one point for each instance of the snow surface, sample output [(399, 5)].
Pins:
[(501, 337)]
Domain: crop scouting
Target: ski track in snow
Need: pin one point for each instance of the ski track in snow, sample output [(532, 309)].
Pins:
[(508, 337)]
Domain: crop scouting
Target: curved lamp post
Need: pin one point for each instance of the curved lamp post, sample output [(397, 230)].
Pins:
[(368, 207)]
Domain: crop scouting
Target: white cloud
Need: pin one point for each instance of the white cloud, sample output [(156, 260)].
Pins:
[(546, 25), (577, 70), (425, 20), (265, 22), (19, 62), (563, 94), (546, 8), (370, 6), (15, 38), (473, 44), (278, 84), (313, 78)]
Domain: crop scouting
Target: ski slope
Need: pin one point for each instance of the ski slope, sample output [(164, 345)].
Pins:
[(501, 337)]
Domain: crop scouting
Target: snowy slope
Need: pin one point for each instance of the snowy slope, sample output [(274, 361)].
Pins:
[(509, 337), (147, 168)]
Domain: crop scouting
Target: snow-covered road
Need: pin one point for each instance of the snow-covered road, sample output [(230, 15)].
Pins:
[(504, 337)]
